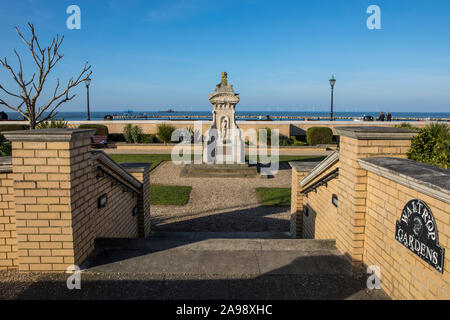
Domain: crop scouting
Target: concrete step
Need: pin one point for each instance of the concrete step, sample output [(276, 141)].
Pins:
[(217, 244), (214, 256)]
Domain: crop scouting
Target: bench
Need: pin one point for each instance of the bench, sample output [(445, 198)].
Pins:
[(101, 141)]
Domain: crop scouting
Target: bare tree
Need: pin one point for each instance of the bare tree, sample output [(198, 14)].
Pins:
[(29, 90)]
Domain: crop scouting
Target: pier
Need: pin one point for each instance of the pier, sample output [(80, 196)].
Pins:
[(261, 118)]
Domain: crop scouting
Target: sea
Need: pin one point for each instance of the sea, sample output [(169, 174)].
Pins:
[(243, 115)]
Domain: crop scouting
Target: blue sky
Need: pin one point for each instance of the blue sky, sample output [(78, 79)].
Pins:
[(279, 55)]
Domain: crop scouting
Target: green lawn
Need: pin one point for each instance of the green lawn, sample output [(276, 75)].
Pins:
[(279, 197), (169, 195), (155, 159), (285, 158)]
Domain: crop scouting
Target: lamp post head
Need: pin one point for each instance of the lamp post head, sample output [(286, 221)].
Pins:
[(88, 82), (332, 81)]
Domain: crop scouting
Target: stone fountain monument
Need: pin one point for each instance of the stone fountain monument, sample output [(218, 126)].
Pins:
[(224, 138), (223, 147)]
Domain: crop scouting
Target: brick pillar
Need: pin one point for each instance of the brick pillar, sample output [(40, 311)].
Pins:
[(357, 143), (141, 171), (8, 237), (51, 170), (299, 171)]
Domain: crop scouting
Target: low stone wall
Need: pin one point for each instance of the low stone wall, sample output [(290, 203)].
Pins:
[(148, 147), (53, 185), (299, 171), (404, 275), (368, 205), (287, 128), (323, 225)]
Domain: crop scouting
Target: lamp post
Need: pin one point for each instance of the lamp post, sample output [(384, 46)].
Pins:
[(332, 82), (88, 83)]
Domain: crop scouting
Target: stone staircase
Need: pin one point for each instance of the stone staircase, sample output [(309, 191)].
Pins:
[(209, 254), (211, 266)]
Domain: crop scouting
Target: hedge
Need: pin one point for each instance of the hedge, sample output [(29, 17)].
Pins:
[(101, 130), (116, 137), (149, 138), (13, 127), (319, 135)]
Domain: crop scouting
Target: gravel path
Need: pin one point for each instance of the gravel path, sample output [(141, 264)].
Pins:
[(219, 204)]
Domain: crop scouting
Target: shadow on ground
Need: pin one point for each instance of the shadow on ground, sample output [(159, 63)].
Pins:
[(244, 220), (275, 285)]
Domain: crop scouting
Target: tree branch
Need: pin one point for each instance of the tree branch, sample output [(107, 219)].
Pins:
[(45, 60)]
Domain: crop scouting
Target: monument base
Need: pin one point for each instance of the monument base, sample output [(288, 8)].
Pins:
[(219, 171)]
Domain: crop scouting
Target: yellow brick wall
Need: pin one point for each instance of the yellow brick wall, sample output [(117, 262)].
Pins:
[(403, 274), (144, 222), (296, 196), (364, 223), (296, 223), (348, 220), (53, 192), (321, 220), (43, 205), (352, 198), (116, 220), (90, 222), (8, 237)]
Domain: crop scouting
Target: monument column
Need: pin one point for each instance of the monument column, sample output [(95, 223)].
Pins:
[(224, 142)]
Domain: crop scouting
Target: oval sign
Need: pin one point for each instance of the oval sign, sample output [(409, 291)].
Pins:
[(417, 231)]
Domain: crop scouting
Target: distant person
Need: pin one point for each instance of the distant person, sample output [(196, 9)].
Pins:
[(381, 117), (268, 118), (388, 117), (3, 115)]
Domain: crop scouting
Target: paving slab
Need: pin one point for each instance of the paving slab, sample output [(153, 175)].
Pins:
[(225, 262), (140, 261), (185, 268), (165, 255)]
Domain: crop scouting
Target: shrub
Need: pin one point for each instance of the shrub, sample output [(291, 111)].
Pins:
[(13, 127), (127, 133), (432, 145), (53, 124), (319, 135), (299, 143), (116, 137), (406, 125), (149, 138), (5, 145), (136, 132), (100, 130), (165, 132), (285, 141)]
